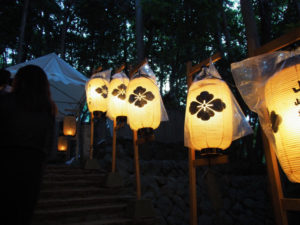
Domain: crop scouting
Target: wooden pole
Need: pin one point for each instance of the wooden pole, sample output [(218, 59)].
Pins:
[(113, 169), (92, 136), (137, 165), (192, 168), (193, 190), (275, 183)]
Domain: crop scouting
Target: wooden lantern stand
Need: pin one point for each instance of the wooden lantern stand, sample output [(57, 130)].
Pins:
[(114, 179), (140, 208), (205, 161), (280, 204), (91, 163)]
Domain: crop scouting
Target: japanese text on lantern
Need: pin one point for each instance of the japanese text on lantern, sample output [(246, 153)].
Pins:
[(297, 102)]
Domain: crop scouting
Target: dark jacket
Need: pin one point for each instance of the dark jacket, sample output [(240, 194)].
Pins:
[(23, 130)]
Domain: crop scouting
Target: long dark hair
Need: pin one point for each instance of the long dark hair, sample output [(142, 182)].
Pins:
[(32, 90)]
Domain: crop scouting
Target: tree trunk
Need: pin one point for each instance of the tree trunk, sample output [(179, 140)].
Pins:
[(298, 9), (250, 24), (63, 37), (22, 31), (265, 11), (225, 28), (66, 20), (139, 31)]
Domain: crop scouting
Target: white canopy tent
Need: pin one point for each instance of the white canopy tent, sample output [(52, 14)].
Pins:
[(67, 85)]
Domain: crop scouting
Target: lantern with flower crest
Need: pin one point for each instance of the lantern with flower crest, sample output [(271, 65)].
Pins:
[(213, 118), (145, 107), (117, 105), (209, 114), (96, 97), (97, 91)]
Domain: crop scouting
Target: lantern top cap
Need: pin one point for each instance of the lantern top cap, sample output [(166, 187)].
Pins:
[(103, 74), (210, 72), (145, 70), (120, 75), (292, 61)]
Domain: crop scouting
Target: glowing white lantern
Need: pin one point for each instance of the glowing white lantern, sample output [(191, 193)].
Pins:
[(69, 126), (117, 105), (62, 144), (144, 105), (209, 115), (96, 94), (282, 96)]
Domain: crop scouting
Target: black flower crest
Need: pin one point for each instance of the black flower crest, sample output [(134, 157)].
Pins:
[(120, 92), (102, 90), (275, 121), (206, 105), (140, 97)]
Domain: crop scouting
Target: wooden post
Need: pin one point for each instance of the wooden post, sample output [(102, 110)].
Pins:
[(92, 136), (192, 168), (113, 166), (193, 190), (137, 165), (275, 183), (113, 169)]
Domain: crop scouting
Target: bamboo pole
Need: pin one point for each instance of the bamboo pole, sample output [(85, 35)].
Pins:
[(137, 165), (92, 136), (113, 169)]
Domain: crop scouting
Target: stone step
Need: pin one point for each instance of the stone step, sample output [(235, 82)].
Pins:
[(82, 213), (75, 202), (69, 169), (73, 196), (112, 221), (72, 176), (62, 183), (79, 192), (109, 221)]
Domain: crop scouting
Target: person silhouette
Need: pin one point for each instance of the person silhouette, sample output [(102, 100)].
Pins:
[(4, 81), (27, 117)]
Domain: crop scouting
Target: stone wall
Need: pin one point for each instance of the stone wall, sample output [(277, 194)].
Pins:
[(226, 194)]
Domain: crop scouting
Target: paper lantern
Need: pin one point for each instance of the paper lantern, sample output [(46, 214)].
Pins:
[(209, 114), (144, 106), (96, 94), (117, 105), (62, 144), (282, 96), (69, 126)]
